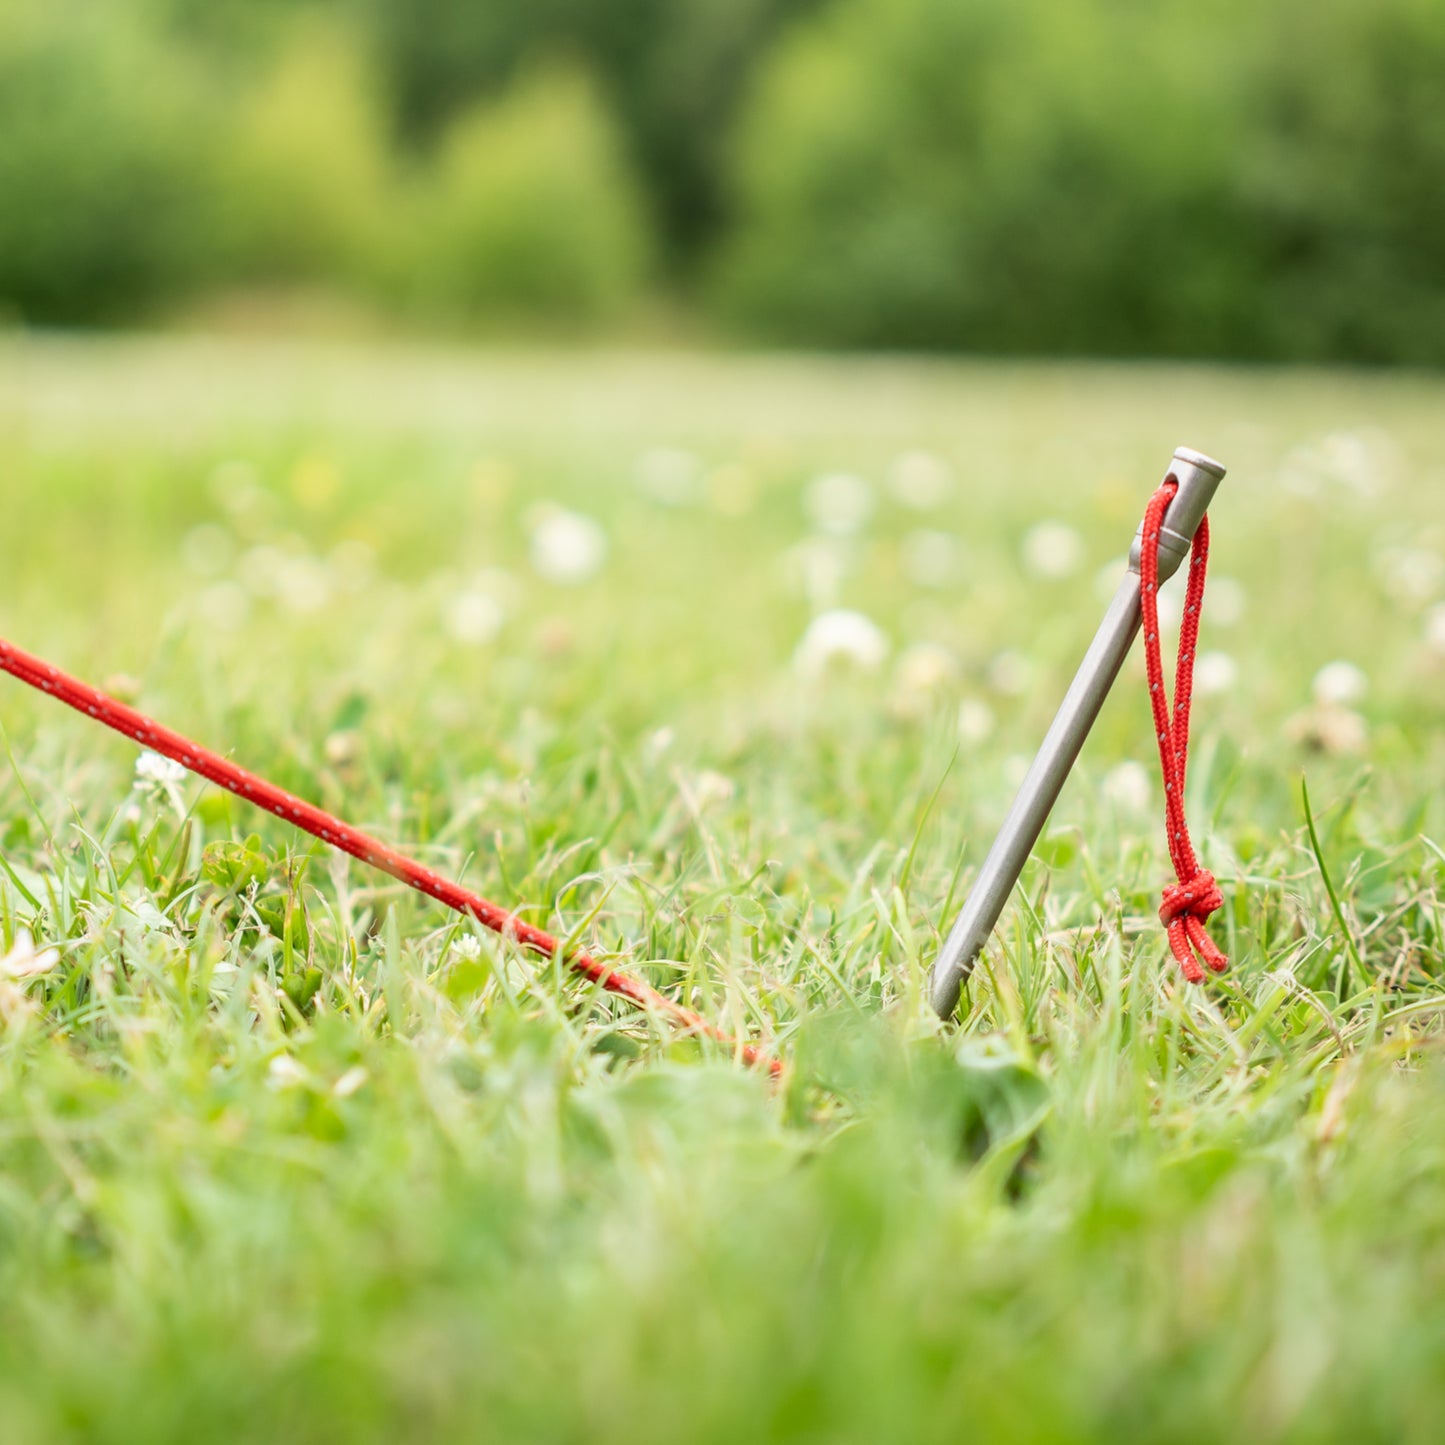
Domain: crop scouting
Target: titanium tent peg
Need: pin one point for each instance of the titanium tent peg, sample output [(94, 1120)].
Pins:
[(1198, 477)]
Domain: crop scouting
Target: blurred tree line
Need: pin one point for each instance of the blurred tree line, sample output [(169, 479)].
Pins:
[(1102, 176)]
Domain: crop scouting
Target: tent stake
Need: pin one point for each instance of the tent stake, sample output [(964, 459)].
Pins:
[(1198, 477)]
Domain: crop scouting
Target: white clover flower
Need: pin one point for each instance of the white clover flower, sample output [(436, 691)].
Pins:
[(1009, 673), (352, 564), (468, 947), (926, 666), (1014, 769), (975, 720), (705, 789), (839, 503), (14, 1006), (841, 637), (158, 777), (931, 558), (236, 486), (1435, 628), (1339, 683), (284, 1072), (1327, 727), (1215, 672), (208, 549), (303, 584), (920, 480), (669, 476), (260, 569), (567, 548), (1360, 462), (24, 960), (1412, 575), (923, 671), (816, 568), (296, 581), (1129, 788), (155, 770), (224, 606), (352, 1080), (342, 748), (1053, 550), (474, 618)]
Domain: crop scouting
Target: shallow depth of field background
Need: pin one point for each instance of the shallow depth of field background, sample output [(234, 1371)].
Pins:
[(661, 462), (1155, 178)]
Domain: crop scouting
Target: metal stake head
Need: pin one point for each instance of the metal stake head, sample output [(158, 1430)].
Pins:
[(1199, 477)]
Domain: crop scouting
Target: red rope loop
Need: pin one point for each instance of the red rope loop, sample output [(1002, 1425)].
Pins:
[(1186, 905)]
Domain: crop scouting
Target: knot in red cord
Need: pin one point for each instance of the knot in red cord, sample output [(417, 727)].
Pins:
[(1196, 898), (1188, 903), (1183, 912)]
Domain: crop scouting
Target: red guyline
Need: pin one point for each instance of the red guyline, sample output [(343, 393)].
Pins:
[(250, 788), (1188, 904)]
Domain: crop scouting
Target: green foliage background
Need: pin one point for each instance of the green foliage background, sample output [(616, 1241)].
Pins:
[(999, 175), (1028, 175)]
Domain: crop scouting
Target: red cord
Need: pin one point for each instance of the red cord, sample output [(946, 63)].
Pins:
[(252, 789), (1188, 904)]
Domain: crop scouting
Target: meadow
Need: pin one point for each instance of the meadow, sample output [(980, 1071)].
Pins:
[(727, 668)]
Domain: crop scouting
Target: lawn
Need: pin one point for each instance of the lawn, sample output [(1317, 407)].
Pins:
[(288, 1153)]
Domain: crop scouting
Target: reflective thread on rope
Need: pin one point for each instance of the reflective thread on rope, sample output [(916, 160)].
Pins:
[(336, 833), (1186, 905)]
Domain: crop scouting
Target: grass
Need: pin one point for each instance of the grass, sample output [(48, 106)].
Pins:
[(443, 1191)]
